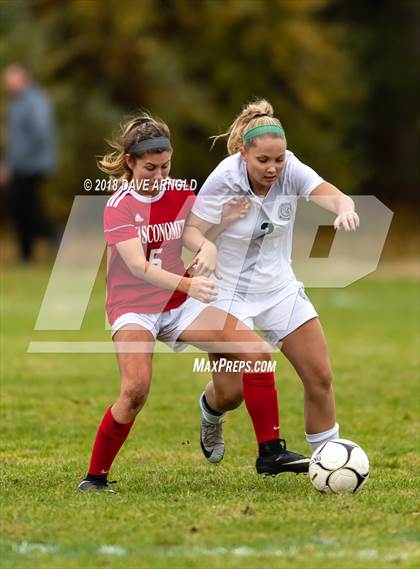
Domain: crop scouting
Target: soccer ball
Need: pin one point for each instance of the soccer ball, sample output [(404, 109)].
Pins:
[(339, 466)]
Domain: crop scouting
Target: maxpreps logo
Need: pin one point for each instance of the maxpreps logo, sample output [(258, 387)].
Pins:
[(159, 232)]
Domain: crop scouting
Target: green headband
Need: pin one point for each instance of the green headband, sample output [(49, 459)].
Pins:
[(264, 129)]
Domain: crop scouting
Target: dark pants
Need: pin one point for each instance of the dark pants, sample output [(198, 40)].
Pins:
[(28, 215)]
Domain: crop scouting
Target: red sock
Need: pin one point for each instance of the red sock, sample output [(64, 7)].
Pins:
[(260, 397), (109, 439)]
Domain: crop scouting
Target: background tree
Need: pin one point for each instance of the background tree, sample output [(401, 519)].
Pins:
[(347, 100)]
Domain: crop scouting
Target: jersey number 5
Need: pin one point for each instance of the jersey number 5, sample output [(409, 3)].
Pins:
[(154, 259)]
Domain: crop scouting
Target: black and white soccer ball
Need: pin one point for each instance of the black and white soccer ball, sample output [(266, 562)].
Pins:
[(339, 466)]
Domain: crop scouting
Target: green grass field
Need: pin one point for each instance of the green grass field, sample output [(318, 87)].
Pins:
[(172, 508)]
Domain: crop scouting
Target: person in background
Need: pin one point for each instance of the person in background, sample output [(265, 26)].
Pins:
[(30, 156)]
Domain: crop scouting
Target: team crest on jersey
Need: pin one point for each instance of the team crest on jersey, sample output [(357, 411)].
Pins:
[(285, 211)]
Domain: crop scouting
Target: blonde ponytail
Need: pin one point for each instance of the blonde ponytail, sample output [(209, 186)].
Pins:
[(256, 113)]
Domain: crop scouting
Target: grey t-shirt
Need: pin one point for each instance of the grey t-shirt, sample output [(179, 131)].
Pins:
[(31, 141)]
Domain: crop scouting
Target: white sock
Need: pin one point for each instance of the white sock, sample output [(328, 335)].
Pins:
[(209, 417), (316, 440)]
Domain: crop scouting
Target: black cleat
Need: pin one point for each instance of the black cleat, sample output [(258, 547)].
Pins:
[(274, 458), (96, 484)]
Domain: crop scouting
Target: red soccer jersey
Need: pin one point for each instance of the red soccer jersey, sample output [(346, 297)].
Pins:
[(158, 221)]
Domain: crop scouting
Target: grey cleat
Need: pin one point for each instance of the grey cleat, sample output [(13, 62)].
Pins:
[(211, 440), (211, 433)]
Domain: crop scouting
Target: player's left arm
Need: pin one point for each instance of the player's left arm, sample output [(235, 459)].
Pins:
[(331, 198), (199, 235), (233, 210), (195, 239)]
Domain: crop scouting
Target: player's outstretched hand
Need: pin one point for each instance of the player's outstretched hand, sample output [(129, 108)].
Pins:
[(234, 209), (205, 262), (348, 220), (202, 289)]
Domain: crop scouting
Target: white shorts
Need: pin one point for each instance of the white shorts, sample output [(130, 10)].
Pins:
[(167, 325), (275, 313)]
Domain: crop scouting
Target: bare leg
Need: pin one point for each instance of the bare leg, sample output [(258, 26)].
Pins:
[(307, 351), (218, 332), (259, 394), (224, 392), (135, 370)]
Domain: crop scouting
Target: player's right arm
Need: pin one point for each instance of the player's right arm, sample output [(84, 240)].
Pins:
[(132, 253), (120, 231)]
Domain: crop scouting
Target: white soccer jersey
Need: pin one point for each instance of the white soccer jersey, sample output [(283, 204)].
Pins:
[(255, 252)]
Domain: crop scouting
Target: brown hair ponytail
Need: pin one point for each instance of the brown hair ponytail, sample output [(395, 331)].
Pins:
[(135, 130)]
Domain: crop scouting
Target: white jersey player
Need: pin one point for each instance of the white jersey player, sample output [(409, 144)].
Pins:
[(253, 269), (245, 248)]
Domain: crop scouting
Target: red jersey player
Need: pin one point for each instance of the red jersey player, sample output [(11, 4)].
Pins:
[(158, 223), (150, 297)]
